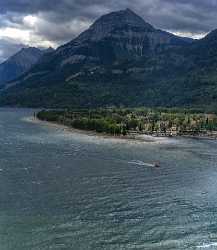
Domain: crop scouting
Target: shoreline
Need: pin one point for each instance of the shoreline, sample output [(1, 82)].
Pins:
[(139, 137)]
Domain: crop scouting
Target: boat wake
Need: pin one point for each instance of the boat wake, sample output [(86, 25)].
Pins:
[(141, 163)]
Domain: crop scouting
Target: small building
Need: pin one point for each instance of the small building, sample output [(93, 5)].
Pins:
[(173, 131)]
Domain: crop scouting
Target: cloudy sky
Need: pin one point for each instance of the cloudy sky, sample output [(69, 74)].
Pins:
[(44, 23)]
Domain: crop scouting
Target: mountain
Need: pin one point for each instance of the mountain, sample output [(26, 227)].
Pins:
[(121, 60), (113, 38), (20, 63)]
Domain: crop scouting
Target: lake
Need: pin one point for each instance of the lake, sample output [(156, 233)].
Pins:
[(65, 190)]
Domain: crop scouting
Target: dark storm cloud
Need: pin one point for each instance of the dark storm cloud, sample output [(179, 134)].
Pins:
[(59, 21), (196, 16), (190, 15)]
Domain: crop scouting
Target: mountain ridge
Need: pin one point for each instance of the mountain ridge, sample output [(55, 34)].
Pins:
[(97, 45), (121, 60), (19, 63)]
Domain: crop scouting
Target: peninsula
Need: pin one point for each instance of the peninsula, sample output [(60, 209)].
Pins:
[(136, 121)]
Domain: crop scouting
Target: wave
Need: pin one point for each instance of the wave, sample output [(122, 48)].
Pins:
[(214, 244)]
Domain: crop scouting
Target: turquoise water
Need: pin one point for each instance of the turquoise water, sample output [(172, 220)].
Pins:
[(61, 190)]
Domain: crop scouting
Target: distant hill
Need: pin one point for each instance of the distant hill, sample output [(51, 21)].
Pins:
[(121, 60), (20, 63)]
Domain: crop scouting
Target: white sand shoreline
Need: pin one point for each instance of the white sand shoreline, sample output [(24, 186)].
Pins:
[(136, 138), (139, 138)]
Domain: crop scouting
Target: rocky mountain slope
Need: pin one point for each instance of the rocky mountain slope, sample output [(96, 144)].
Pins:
[(20, 63), (112, 39), (121, 60)]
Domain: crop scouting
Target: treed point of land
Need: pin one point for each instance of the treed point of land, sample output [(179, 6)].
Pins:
[(132, 121)]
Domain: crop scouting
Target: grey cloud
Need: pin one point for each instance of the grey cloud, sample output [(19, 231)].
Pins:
[(191, 15)]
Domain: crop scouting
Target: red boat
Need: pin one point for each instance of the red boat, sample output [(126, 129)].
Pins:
[(156, 164)]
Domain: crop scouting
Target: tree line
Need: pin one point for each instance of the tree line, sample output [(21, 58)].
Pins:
[(122, 121)]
